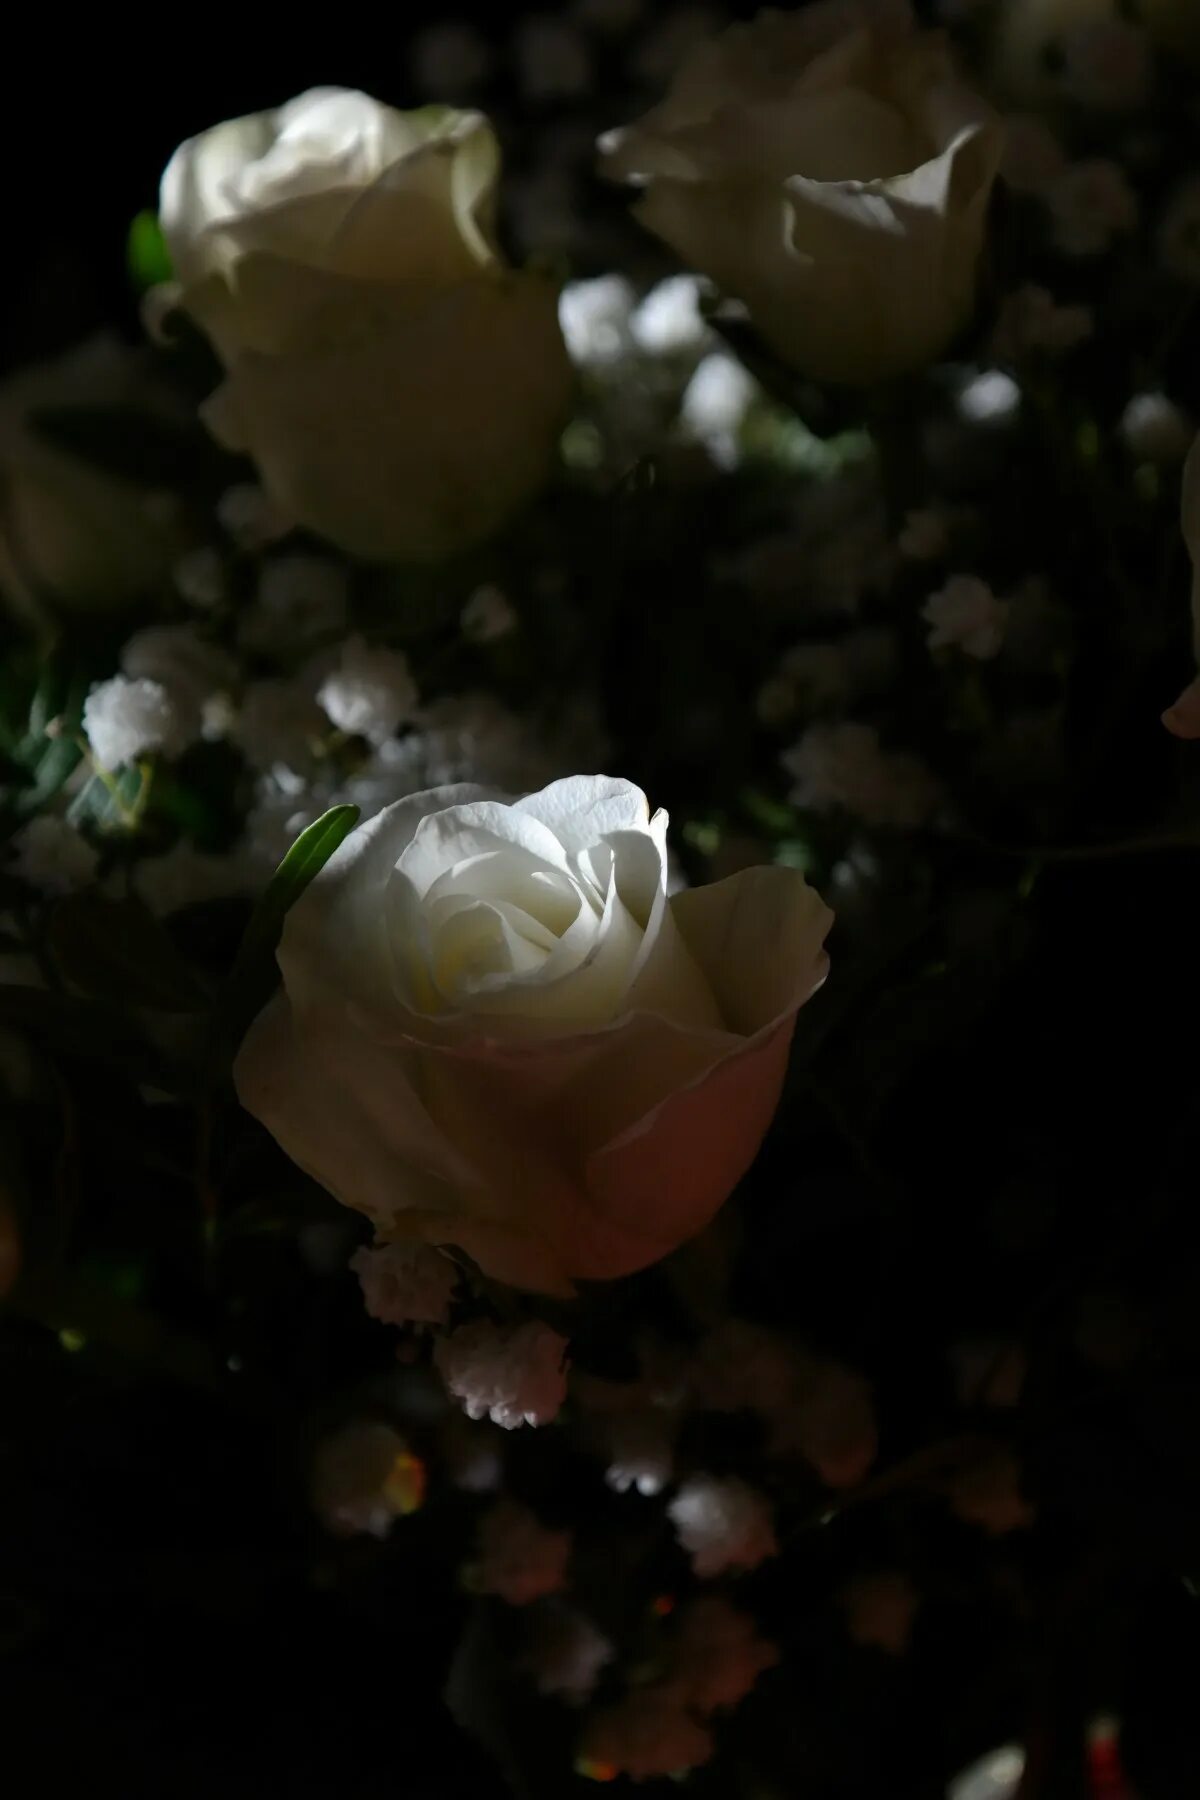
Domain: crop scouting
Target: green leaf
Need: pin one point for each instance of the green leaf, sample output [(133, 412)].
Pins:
[(146, 253), (33, 700), (133, 445), (253, 974), (117, 950)]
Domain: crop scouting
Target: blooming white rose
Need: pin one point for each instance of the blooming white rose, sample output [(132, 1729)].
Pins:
[(70, 532), (497, 1031), (398, 387), (827, 168)]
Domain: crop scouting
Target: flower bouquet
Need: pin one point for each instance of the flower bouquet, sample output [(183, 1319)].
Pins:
[(599, 803)]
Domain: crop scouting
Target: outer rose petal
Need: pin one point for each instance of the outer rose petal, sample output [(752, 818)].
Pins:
[(420, 208), (572, 1157), (829, 170), (418, 438), (848, 281)]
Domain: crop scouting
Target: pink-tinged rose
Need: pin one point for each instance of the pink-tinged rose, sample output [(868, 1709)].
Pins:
[(496, 1030)]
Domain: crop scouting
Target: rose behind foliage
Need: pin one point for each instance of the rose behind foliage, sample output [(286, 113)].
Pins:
[(400, 390), (73, 537), (828, 168), (497, 1031)]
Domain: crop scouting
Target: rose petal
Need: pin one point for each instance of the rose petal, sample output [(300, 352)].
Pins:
[(484, 378)]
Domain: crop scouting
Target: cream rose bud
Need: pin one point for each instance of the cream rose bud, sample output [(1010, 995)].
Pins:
[(828, 169), (497, 1032), (400, 390)]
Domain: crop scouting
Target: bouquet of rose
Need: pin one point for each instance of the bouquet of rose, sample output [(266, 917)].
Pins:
[(760, 1302)]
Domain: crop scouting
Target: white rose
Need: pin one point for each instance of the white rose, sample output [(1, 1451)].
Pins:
[(399, 389), (497, 1031), (828, 169), (70, 533)]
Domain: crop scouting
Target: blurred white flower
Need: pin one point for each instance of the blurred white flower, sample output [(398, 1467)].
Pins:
[(996, 1776), (469, 737), (284, 805), (123, 719), (640, 1446), (299, 600), (843, 765), (201, 578), (1090, 204), (717, 1655), (250, 516), (1032, 319), (449, 61), (649, 1733), (1155, 430), (192, 670), (405, 1284), (715, 403), (487, 616), (722, 1524), (989, 397), (567, 1652), (364, 1478), (669, 321), (279, 722), (520, 1559), (50, 854), (471, 1454), (965, 615), (370, 692), (553, 59), (830, 1421), (512, 1376), (595, 317)]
